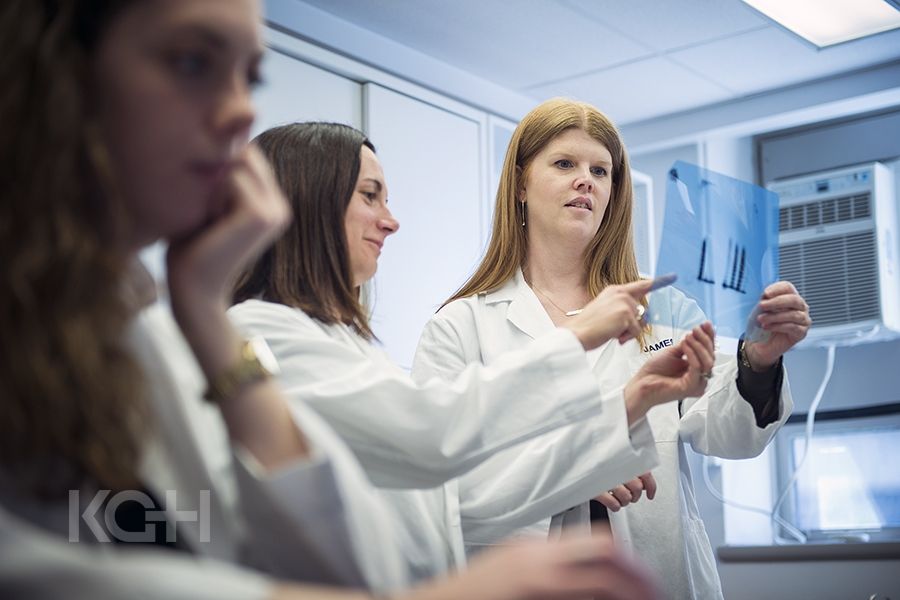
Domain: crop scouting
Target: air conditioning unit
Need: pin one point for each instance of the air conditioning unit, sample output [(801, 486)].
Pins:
[(838, 244)]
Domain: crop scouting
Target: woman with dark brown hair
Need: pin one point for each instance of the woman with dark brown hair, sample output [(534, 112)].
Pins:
[(303, 297), (123, 122)]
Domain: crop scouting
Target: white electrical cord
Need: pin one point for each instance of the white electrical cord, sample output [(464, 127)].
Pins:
[(762, 511), (810, 422), (798, 535)]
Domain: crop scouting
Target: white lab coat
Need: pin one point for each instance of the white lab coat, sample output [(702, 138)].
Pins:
[(317, 520), (409, 435), (666, 532)]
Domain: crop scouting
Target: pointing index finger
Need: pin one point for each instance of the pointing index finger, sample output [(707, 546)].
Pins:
[(663, 281), (640, 288)]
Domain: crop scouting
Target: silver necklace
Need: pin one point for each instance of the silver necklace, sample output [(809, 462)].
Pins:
[(568, 313)]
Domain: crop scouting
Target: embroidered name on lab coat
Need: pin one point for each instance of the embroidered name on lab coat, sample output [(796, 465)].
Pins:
[(658, 346)]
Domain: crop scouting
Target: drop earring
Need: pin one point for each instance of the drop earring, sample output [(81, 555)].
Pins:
[(523, 212)]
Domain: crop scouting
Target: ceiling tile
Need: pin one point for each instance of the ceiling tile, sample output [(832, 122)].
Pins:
[(771, 58), (637, 59), (664, 25), (513, 44), (639, 90)]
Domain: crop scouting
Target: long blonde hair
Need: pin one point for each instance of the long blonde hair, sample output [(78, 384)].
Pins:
[(610, 257)]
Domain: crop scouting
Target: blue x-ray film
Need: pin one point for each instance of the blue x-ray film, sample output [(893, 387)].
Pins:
[(720, 236)]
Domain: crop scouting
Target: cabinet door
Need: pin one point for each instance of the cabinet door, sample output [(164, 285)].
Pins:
[(431, 159), (297, 91)]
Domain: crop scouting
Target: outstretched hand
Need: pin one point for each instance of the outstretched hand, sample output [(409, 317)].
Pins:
[(784, 314), (613, 314), (679, 371)]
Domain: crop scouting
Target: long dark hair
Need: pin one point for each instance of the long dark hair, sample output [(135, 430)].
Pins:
[(69, 388), (317, 165)]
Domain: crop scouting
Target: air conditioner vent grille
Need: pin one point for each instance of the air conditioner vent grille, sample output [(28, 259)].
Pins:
[(825, 212), (838, 277)]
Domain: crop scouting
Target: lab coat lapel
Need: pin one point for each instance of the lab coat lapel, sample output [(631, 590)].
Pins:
[(527, 314), (525, 311), (607, 351)]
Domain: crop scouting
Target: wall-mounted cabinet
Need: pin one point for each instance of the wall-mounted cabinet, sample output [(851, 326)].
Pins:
[(432, 165), (297, 91)]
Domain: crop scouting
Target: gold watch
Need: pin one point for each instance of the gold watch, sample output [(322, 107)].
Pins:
[(256, 363)]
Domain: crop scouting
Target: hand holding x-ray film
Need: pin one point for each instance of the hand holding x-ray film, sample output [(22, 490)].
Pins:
[(720, 236)]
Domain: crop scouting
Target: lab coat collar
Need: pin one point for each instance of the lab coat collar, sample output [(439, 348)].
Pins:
[(525, 310), (527, 314)]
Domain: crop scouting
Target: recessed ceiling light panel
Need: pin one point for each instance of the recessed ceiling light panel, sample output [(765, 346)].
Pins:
[(828, 22)]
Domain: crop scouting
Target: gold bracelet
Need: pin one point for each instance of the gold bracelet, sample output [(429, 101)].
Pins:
[(255, 363), (743, 354)]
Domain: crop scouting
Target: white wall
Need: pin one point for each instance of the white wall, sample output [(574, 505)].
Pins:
[(732, 156)]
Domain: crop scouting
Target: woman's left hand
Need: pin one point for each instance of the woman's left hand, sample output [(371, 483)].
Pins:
[(628, 492), (252, 213), (784, 314), (203, 264)]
